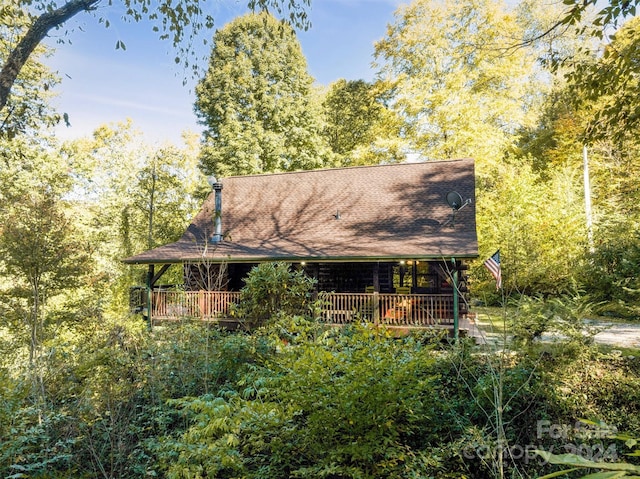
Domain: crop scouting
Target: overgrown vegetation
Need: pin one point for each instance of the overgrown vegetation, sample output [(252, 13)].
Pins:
[(271, 290), (297, 399), (86, 391)]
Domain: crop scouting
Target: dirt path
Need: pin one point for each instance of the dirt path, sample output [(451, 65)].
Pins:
[(624, 335)]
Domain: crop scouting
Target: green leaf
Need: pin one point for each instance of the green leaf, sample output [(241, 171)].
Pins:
[(605, 475), (558, 473), (581, 462)]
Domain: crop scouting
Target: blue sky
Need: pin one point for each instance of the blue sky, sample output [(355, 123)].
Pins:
[(104, 85)]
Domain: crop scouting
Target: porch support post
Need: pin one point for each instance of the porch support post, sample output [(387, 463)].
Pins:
[(376, 308), (376, 277), (150, 275), (455, 299), (414, 275), (156, 277), (376, 292)]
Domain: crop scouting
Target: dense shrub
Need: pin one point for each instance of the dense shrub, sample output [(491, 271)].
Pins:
[(564, 317), (109, 398), (612, 276), (357, 404), (274, 289), (298, 399)]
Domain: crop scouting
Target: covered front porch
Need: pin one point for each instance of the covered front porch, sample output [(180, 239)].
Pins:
[(401, 294)]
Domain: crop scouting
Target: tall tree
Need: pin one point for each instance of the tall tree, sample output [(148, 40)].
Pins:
[(131, 196), (164, 196), (256, 101), (359, 126), (41, 253), (459, 88), (611, 81), (43, 257), (538, 223), (174, 21)]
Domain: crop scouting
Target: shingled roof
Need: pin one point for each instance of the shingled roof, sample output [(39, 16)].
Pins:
[(386, 212)]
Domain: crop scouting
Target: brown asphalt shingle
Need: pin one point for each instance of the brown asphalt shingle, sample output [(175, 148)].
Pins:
[(386, 212)]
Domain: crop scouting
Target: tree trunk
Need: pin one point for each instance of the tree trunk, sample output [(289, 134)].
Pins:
[(35, 34), (34, 348)]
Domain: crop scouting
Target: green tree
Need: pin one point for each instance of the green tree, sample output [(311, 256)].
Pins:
[(256, 101), (608, 268), (174, 22), (538, 223), (555, 140), (608, 87), (164, 196), (359, 126), (131, 196), (456, 84), (43, 257), (610, 13), (609, 83)]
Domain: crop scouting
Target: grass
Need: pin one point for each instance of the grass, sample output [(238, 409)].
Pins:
[(491, 321), (607, 349)]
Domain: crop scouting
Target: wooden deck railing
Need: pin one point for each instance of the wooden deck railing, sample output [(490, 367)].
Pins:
[(387, 309), (206, 305), (335, 308)]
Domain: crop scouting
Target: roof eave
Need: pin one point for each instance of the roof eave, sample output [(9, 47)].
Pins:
[(308, 259)]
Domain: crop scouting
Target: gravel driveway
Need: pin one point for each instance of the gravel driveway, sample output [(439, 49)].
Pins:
[(624, 335)]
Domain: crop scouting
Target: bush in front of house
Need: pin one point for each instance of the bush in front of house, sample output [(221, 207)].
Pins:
[(273, 289)]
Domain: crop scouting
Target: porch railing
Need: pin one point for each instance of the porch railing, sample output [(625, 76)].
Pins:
[(205, 305), (335, 308), (387, 309)]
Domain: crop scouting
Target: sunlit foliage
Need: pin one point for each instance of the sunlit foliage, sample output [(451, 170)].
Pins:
[(256, 102)]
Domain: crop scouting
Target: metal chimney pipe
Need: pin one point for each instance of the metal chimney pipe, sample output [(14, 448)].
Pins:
[(217, 215)]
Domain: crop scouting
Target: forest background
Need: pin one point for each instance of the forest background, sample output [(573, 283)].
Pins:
[(524, 89)]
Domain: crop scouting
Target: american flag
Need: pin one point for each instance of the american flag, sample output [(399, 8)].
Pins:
[(493, 265)]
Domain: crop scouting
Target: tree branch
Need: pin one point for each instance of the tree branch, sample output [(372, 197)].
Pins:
[(35, 34)]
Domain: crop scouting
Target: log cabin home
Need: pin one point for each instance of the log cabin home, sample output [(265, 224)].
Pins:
[(386, 244)]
